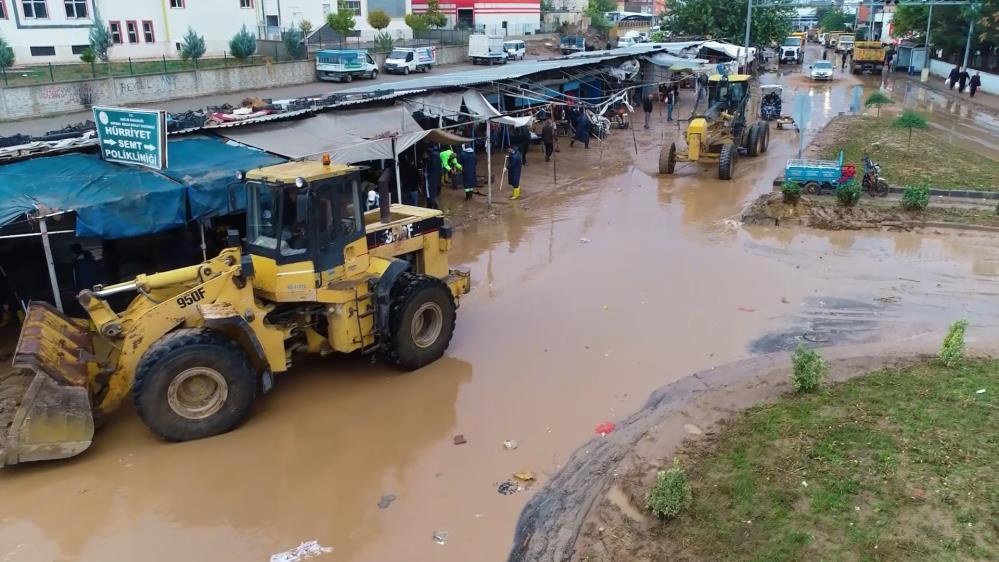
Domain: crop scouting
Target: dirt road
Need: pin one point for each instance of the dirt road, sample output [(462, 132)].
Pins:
[(587, 296)]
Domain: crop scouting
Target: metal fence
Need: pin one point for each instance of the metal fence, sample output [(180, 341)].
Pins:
[(53, 73)]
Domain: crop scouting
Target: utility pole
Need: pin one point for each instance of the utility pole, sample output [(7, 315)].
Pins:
[(967, 46), (749, 26), (926, 59)]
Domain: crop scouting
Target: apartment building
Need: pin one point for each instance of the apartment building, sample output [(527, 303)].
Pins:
[(282, 14), (57, 31), (495, 16)]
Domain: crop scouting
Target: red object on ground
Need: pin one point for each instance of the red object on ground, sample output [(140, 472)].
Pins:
[(605, 428)]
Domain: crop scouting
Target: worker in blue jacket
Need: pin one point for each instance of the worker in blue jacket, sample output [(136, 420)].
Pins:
[(468, 162), (433, 174), (514, 164)]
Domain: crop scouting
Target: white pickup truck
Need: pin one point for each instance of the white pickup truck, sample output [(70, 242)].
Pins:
[(486, 49), (404, 61), (345, 65)]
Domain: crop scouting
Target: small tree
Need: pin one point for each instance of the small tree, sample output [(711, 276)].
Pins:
[(791, 192), (952, 350), (341, 21), (88, 56), (100, 38), (384, 42), (306, 27), (910, 120), (243, 44), (417, 23), (670, 495), (808, 369), (378, 19), (6, 54), (433, 14), (596, 9), (192, 46), (293, 42), (877, 99)]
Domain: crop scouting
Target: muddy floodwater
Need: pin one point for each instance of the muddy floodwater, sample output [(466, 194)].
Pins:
[(587, 296)]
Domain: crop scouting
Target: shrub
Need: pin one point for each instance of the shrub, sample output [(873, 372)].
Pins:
[(791, 190), (243, 44), (417, 22), (100, 38), (342, 20), (292, 39), (192, 46), (916, 197), (433, 15), (88, 56), (952, 350), (808, 369), (378, 19), (848, 193), (6, 54), (384, 42), (670, 494)]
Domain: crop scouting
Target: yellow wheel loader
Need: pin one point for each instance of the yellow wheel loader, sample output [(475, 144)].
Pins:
[(722, 133), (197, 345)]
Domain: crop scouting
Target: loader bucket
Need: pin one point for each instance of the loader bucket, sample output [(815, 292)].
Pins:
[(45, 410)]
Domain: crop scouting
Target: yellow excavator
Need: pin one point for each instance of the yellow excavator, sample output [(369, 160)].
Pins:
[(197, 345), (722, 133)]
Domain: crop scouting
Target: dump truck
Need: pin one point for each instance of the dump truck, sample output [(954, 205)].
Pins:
[(196, 346), (867, 56), (792, 50), (722, 133)]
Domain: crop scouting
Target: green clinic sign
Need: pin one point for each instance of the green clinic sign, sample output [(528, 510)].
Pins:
[(132, 136)]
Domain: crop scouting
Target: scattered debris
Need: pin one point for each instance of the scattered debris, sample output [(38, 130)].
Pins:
[(440, 537), (744, 309), (460, 439), (584, 240), (304, 551), (605, 428), (785, 300), (524, 475), (508, 487), (692, 429), (510, 444), (386, 501), (980, 391)]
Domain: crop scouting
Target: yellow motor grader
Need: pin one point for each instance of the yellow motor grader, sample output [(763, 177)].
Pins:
[(722, 133), (197, 345)]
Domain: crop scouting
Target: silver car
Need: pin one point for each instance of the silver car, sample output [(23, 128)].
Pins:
[(821, 70)]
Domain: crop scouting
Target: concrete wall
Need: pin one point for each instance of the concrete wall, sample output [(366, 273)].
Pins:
[(990, 82), (22, 102)]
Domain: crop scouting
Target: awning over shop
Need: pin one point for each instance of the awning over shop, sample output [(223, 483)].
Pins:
[(207, 167), (347, 136), (477, 104), (676, 63), (110, 200)]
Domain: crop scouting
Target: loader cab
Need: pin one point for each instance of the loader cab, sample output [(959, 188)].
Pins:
[(304, 212), (728, 91)]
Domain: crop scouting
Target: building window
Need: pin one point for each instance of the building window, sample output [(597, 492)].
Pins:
[(177, 4), (246, 4), (78, 49), (3, 10), (115, 28), (35, 9), (75, 9), (147, 32), (43, 51), (354, 6), (133, 31)]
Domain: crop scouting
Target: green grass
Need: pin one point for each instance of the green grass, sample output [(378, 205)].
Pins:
[(82, 71), (957, 214), (896, 465), (932, 158)]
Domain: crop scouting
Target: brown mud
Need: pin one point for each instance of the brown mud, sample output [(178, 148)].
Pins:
[(588, 294)]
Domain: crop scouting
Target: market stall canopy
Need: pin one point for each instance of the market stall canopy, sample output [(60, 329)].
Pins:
[(347, 136), (477, 104), (118, 201), (449, 104), (677, 63), (207, 167)]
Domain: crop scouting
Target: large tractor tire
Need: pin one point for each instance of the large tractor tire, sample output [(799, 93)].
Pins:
[(765, 139), (726, 161), (421, 321), (193, 383), (753, 144), (667, 159)]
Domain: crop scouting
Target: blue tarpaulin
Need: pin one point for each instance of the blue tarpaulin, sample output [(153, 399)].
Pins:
[(117, 201), (207, 167)]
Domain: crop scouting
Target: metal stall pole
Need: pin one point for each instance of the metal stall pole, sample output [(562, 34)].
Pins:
[(51, 263), (204, 247), (398, 181), (489, 164)]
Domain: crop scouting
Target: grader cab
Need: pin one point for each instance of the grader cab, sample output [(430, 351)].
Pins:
[(722, 133), (197, 345)]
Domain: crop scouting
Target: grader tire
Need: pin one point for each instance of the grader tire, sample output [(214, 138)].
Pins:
[(421, 318), (667, 159), (193, 383), (765, 138), (726, 161), (753, 145)]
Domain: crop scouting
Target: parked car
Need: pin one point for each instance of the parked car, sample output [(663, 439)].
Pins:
[(515, 50), (486, 49), (821, 70), (404, 61), (344, 65)]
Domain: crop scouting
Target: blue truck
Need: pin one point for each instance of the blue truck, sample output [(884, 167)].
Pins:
[(816, 175)]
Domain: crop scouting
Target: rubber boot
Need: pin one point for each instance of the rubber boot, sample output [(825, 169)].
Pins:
[(468, 195), (515, 194)]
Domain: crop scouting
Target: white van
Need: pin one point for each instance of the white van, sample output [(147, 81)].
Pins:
[(486, 49), (515, 50), (404, 61)]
